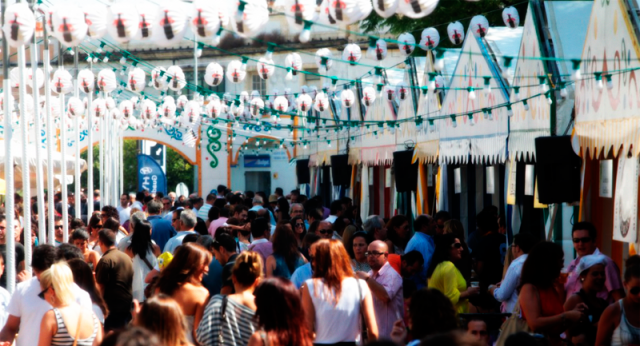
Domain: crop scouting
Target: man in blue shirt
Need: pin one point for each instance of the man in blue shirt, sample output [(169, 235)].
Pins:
[(423, 243), (161, 229)]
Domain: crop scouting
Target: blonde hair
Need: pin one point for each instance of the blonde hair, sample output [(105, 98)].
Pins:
[(247, 268), (59, 277)]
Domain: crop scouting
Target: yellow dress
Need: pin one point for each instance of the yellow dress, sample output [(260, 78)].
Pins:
[(447, 279)]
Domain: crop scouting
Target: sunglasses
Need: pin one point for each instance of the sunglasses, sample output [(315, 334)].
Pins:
[(41, 294), (635, 290), (582, 240), (323, 231), (59, 227), (374, 254), (299, 225), (456, 245)]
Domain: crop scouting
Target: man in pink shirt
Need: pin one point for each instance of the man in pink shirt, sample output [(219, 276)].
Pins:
[(219, 222), (584, 242), (261, 232)]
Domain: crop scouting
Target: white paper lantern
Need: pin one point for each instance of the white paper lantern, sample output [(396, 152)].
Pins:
[(168, 110), (430, 39), (389, 92), (110, 102), (511, 17), (324, 59), (181, 102), (123, 23), (86, 81), (322, 102), (39, 77), (149, 111), (61, 83), (250, 20), (169, 99), (456, 32), (406, 43), (95, 16), (256, 106), (178, 80), (323, 14), (402, 91), (479, 26), (14, 77), (69, 25), (159, 78), (126, 108), (385, 8), (347, 98), (347, 12), (235, 71), (19, 24), (244, 96), (147, 20), (281, 104), (214, 74), (297, 11), (304, 103), (265, 68), (214, 108), (440, 83), (205, 18), (192, 112), (416, 8), (136, 80), (171, 22), (107, 80), (75, 107), (368, 96), (352, 53), (293, 63), (99, 108), (380, 50)]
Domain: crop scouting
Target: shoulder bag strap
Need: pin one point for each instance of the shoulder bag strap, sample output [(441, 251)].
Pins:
[(363, 327), (146, 261), (223, 317), (75, 339)]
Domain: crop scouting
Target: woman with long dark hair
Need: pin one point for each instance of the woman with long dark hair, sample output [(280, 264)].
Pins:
[(143, 252), (282, 213), (399, 232), (358, 246), (83, 277), (299, 229), (163, 316), (279, 315), (286, 257), (94, 226), (182, 280), (444, 275)]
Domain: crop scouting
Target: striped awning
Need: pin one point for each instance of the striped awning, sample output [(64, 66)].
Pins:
[(603, 136), (378, 156), (426, 152)]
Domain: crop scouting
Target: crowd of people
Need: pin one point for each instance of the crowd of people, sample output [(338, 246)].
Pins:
[(251, 269)]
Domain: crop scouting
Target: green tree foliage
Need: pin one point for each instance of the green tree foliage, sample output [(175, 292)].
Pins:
[(179, 170)]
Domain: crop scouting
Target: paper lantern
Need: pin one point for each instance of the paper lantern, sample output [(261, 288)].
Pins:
[(439, 82), (236, 109), (147, 18), (168, 110), (244, 96), (347, 98), (235, 71), (99, 108), (214, 74), (95, 16), (181, 102), (110, 102), (511, 17), (368, 96), (416, 8), (293, 63), (19, 24), (313, 91), (206, 17), (265, 68), (126, 108), (107, 80), (406, 43), (148, 110), (214, 108), (256, 106), (281, 104), (347, 12), (159, 78), (456, 32), (226, 98), (135, 101), (14, 77), (39, 77), (61, 82), (255, 94), (402, 91), (324, 59), (385, 8), (135, 80), (11, 103), (479, 26), (86, 81), (323, 14), (123, 22), (171, 22), (75, 107), (69, 25), (297, 11), (430, 38), (352, 53), (178, 80), (389, 92), (304, 103), (169, 99), (249, 19), (379, 51), (322, 102), (192, 113)]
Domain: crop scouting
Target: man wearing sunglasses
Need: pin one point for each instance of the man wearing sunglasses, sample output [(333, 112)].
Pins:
[(19, 253), (584, 242)]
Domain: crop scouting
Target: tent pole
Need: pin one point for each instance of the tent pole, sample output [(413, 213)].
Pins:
[(50, 137), (90, 154)]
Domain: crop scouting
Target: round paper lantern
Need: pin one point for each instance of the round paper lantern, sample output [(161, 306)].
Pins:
[(324, 59), (182, 101), (14, 77), (168, 110), (323, 15), (430, 38), (352, 53), (178, 80), (19, 24), (406, 43), (75, 107), (236, 109), (347, 98), (347, 12), (86, 80), (69, 25), (293, 62), (281, 104), (159, 78), (368, 96), (135, 80), (214, 108), (235, 71), (110, 102), (305, 102), (456, 32), (265, 68), (99, 108), (39, 78), (171, 22), (385, 8), (148, 110), (147, 18), (479, 25), (439, 81), (169, 99), (107, 80), (297, 11), (256, 106), (214, 74), (123, 23), (313, 91), (244, 96), (511, 17), (322, 102), (61, 82), (205, 17), (250, 19), (389, 92), (95, 16), (192, 113), (379, 52), (126, 108), (416, 8), (402, 90)]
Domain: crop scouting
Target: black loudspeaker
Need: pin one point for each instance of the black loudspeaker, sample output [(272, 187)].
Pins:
[(340, 170), (558, 170), (406, 173), (302, 171)]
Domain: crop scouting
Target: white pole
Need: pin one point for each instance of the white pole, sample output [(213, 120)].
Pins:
[(121, 161), (26, 182), (102, 136), (77, 181), (89, 155), (63, 170), (107, 159), (116, 162), (10, 258), (36, 119), (50, 137)]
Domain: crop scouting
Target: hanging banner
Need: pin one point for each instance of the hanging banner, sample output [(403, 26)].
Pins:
[(625, 213), (150, 175), (511, 187), (457, 181), (528, 180), (606, 178), (490, 177)]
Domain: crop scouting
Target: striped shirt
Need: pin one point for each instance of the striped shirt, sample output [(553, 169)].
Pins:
[(237, 327), (63, 338)]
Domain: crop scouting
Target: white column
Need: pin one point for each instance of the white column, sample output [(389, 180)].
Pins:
[(26, 182), (63, 170), (90, 157), (50, 138), (10, 258), (42, 232), (102, 136)]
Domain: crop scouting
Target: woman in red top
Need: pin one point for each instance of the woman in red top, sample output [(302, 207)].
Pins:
[(542, 295)]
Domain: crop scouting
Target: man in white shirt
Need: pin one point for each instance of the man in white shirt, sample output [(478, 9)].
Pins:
[(187, 224), (124, 210), (203, 212), (26, 309), (336, 211), (5, 296)]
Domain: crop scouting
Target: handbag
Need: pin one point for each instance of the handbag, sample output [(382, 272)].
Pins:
[(512, 325)]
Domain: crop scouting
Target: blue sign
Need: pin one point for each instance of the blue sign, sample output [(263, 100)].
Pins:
[(257, 161), (150, 175)]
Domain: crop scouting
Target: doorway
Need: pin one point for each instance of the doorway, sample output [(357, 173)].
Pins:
[(258, 181)]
